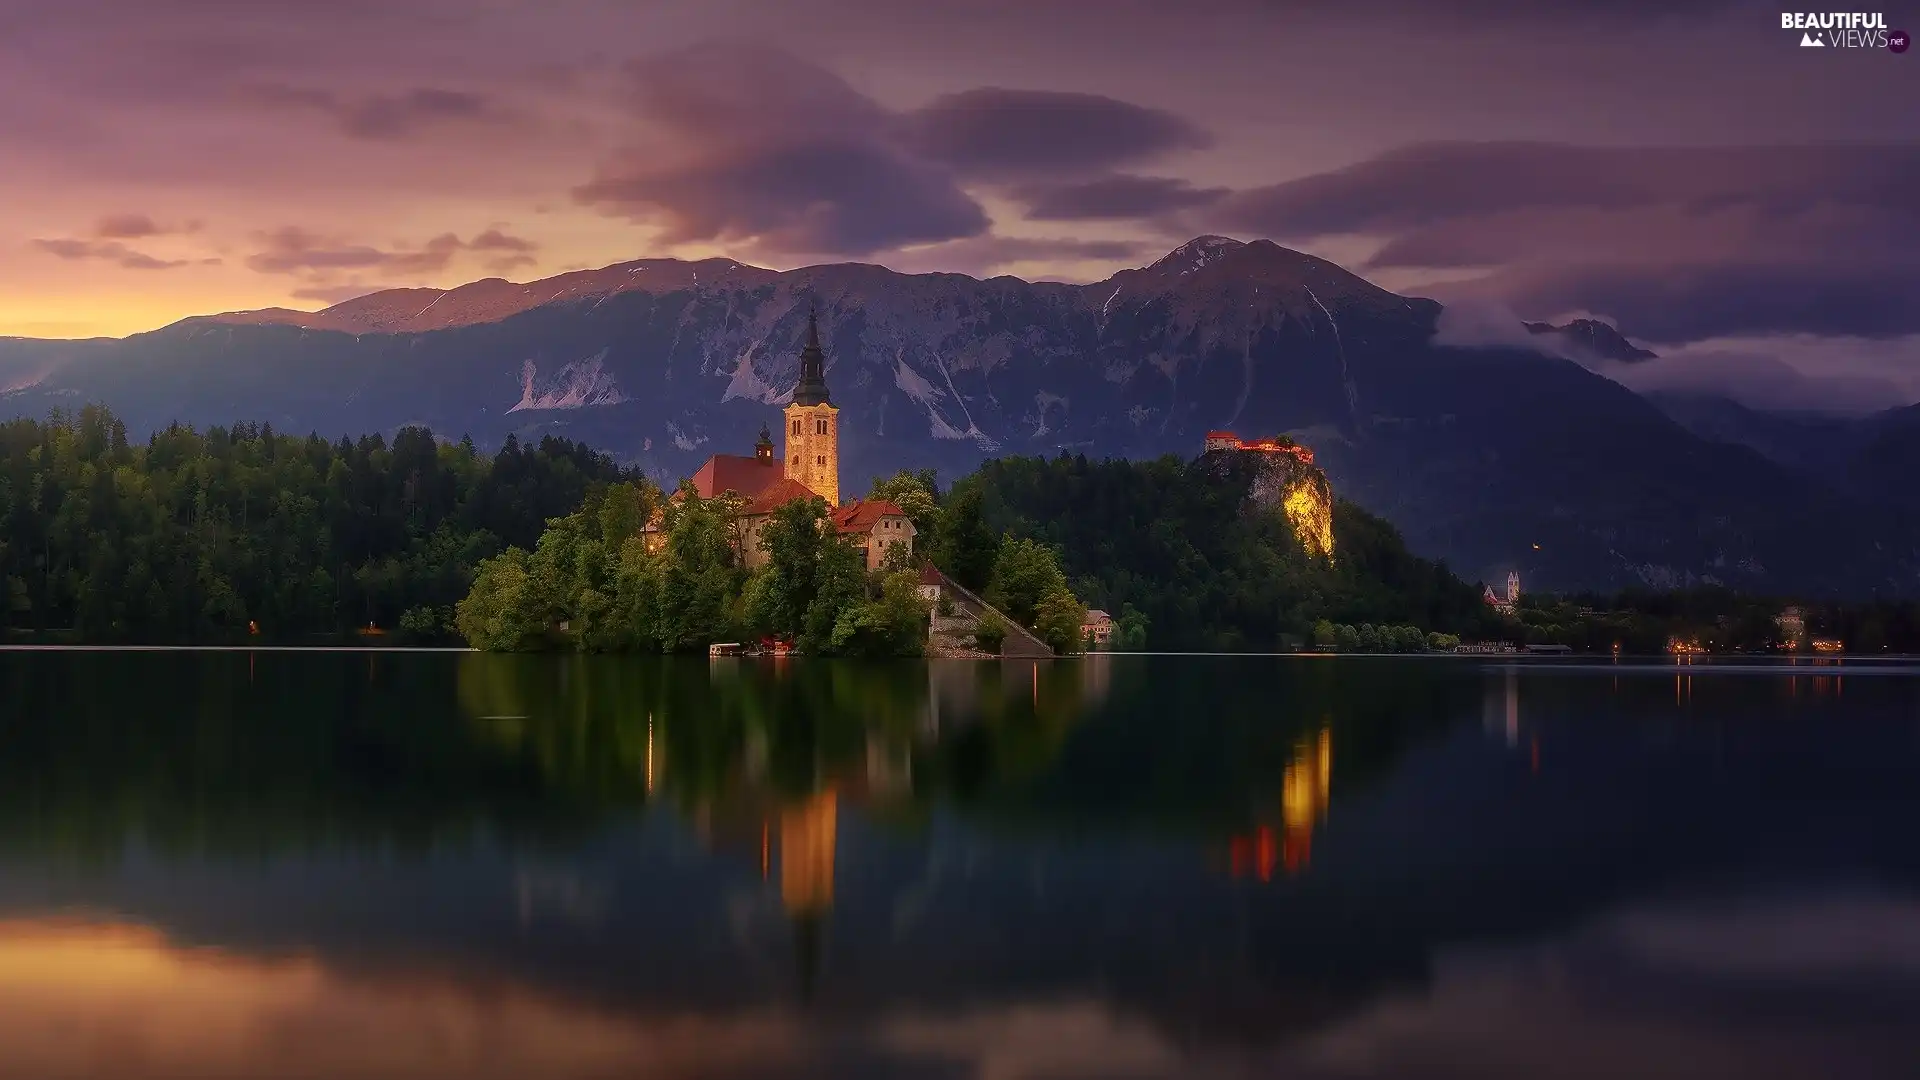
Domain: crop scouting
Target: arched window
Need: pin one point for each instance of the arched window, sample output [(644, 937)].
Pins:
[(796, 430), (796, 460), (820, 426)]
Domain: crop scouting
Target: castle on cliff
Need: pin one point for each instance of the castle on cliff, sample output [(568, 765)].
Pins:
[(1227, 440), (808, 466)]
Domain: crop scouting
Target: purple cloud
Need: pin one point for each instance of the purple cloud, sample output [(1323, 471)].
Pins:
[(106, 251), (1676, 244), (849, 198), (1113, 197), (381, 116), (998, 132), (293, 250)]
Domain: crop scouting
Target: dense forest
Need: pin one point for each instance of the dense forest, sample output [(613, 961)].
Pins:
[(236, 532), (1177, 545), (242, 533)]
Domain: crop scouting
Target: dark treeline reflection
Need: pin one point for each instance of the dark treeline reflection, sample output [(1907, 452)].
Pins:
[(235, 752)]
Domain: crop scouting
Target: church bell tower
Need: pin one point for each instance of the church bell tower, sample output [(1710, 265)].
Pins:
[(812, 453)]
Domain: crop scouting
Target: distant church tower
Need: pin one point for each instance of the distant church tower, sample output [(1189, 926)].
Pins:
[(813, 424), (1513, 586)]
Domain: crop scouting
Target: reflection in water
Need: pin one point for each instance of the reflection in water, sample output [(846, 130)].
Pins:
[(1306, 785), (122, 1001), (576, 867), (807, 835)]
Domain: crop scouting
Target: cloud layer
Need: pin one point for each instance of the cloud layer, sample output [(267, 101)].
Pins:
[(1675, 244), (752, 146)]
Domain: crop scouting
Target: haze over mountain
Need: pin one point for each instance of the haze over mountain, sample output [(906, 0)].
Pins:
[(1493, 458)]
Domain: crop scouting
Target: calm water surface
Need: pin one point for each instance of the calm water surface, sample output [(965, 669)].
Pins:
[(400, 866)]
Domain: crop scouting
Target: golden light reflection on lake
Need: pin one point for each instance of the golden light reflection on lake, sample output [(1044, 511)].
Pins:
[(81, 998)]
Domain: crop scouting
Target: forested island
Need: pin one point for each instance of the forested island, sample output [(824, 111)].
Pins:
[(241, 534)]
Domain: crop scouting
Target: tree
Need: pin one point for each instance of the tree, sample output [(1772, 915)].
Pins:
[(963, 545), (793, 539), (840, 583), (912, 492), (1129, 630), (624, 509), (496, 614), (1024, 573), (1324, 635), (895, 624), (700, 578), (1058, 619), (989, 631)]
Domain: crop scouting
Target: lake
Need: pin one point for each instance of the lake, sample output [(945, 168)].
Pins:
[(396, 865)]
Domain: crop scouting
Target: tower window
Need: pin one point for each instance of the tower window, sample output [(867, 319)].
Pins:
[(819, 427), (820, 460), (796, 461), (796, 430)]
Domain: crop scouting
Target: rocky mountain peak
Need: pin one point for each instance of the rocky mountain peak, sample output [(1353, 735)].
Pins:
[(1195, 255), (1591, 338)]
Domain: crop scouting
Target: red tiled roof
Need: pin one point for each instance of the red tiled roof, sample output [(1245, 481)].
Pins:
[(1221, 435), (861, 515), (930, 575), (731, 472), (778, 494)]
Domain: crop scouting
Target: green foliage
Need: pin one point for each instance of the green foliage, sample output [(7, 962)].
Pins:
[(1058, 618), (1368, 638), (1024, 574), (963, 545), (700, 578), (989, 631), (1184, 545), (895, 624), (196, 534), (581, 590), (424, 625), (1129, 630), (793, 538), (841, 584), (914, 493)]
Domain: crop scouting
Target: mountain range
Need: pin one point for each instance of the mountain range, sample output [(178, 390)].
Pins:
[(1493, 457)]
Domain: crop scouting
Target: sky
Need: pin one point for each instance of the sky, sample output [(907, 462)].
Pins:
[(1682, 168)]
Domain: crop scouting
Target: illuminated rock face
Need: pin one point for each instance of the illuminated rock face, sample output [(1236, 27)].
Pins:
[(1301, 492)]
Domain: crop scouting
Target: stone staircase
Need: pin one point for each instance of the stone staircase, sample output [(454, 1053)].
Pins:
[(1020, 642)]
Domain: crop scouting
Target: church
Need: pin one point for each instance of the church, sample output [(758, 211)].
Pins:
[(808, 465)]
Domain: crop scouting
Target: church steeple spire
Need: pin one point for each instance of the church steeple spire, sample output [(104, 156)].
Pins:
[(812, 452), (812, 389)]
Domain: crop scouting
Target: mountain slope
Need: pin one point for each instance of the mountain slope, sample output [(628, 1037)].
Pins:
[(1477, 455)]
